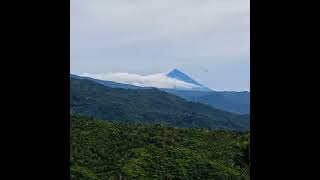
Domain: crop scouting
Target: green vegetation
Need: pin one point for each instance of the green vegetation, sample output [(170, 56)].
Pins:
[(151, 134), (148, 106), (113, 150)]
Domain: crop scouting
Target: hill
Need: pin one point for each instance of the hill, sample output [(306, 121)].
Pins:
[(237, 102), (147, 105), (109, 150), (231, 101)]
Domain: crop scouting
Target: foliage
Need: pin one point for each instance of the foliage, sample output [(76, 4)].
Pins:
[(113, 150)]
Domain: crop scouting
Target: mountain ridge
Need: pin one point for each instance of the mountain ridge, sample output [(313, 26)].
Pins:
[(232, 101), (236, 102), (147, 105)]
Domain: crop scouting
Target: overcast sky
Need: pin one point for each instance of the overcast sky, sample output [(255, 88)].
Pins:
[(207, 39)]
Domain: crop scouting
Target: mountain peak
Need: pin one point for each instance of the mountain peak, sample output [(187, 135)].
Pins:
[(174, 73), (174, 70), (177, 74)]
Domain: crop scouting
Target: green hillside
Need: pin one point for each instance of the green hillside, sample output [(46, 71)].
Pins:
[(237, 102), (147, 105), (109, 150)]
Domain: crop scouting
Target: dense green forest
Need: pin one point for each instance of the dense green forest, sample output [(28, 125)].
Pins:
[(148, 105), (113, 150)]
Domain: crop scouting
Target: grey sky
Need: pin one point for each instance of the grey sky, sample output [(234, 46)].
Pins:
[(207, 39)]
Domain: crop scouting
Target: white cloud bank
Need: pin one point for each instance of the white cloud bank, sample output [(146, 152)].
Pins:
[(155, 80)]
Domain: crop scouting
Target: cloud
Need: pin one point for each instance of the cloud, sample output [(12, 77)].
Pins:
[(147, 36), (155, 80), (124, 21), (169, 15)]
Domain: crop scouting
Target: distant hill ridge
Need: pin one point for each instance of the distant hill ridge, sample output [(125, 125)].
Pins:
[(147, 105), (237, 102)]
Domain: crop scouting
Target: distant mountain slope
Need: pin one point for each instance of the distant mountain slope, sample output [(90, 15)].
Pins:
[(147, 105), (177, 74), (237, 102)]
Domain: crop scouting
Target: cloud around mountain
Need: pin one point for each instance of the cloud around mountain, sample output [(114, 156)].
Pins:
[(160, 80)]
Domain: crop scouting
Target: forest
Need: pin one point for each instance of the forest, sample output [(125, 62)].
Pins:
[(116, 150)]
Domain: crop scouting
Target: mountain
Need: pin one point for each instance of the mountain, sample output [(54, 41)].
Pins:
[(147, 105), (109, 150), (177, 74), (237, 102)]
